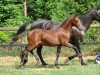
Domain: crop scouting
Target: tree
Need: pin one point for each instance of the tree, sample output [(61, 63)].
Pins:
[(25, 7)]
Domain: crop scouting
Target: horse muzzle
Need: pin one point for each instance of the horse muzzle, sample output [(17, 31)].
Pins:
[(82, 30)]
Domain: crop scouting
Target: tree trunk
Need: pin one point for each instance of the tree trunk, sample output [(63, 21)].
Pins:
[(25, 7)]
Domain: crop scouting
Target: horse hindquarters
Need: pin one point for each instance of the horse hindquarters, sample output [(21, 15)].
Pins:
[(33, 38)]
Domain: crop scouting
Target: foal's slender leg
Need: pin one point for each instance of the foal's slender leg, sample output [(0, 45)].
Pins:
[(80, 58), (77, 54), (71, 57), (24, 57), (76, 43), (40, 56), (57, 56), (76, 50)]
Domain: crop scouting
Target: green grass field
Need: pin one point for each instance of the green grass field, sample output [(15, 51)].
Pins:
[(9, 61), (9, 66)]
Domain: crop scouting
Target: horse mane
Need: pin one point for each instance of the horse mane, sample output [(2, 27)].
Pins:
[(88, 11), (67, 21)]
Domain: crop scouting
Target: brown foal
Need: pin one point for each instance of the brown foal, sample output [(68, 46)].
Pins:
[(57, 37)]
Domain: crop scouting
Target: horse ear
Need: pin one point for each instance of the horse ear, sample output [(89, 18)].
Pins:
[(75, 16)]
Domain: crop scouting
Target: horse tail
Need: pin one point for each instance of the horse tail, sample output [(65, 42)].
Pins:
[(22, 31)]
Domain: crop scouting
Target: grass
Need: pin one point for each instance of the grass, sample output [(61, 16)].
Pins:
[(9, 66), (86, 50), (9, 61)]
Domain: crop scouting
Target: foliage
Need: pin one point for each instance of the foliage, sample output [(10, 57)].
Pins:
[(92, 35), (12, 11), (59, 9)]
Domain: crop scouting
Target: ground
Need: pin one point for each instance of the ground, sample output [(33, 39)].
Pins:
[(9, 66)]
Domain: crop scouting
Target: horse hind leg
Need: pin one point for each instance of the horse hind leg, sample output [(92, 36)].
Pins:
[(24, 55), (39, 49), (36, 57)]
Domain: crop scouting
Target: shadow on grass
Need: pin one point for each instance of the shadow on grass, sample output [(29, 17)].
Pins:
[(91, 61), (48, 66), (40, 66)]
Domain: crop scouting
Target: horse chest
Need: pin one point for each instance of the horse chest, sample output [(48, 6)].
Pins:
[(64, 38)]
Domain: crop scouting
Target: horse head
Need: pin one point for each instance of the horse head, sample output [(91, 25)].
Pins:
[(77, 23), (96, 14)]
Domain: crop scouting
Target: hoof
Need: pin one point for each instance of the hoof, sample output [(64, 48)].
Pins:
[(37, 63), (47, 66), (44, 64), (56, 66), (20, 66), (66, 60), (83, 64)]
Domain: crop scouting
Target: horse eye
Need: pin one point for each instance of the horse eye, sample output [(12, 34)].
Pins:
[(75, 20)]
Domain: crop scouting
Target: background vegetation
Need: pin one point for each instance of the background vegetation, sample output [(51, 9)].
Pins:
[(12, 12)]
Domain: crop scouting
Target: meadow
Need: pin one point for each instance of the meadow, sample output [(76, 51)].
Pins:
[(10, 60), (9, 66)]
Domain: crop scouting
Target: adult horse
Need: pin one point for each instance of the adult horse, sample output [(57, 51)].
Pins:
[(38, 37), (86, 19)]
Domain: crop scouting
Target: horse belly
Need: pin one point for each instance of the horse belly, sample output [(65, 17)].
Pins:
[(50, 41)]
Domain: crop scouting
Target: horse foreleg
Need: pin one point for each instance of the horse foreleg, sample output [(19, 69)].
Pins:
[(77, 50), (39, 49), (71, 57), (80, 56), (77, 44), (57, 56)]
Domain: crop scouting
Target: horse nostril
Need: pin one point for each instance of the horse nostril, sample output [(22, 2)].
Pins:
[(80, 29)]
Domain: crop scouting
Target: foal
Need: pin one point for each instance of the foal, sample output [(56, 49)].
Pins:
[(57, 37)]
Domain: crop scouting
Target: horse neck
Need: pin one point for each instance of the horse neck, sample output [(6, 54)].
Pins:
[(67, 26), (86, 19)]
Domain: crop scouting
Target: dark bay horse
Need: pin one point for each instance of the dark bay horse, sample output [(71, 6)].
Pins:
[(86, 19), (57, 37)]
